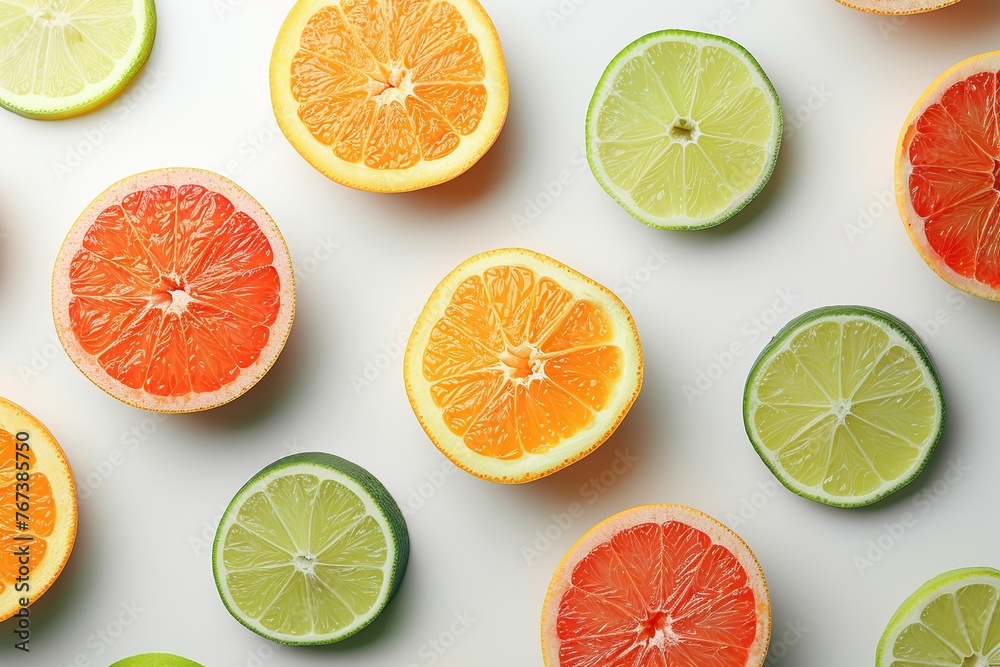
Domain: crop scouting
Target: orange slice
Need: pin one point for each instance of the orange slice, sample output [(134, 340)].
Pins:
[(173, 291), (389, 95), (948, 175), (518, 365), (897, 6), (37, 509), (657, 586)]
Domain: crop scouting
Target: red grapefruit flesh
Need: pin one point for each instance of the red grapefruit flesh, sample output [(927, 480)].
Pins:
[(174, 291), (948, 176), (657, 586)]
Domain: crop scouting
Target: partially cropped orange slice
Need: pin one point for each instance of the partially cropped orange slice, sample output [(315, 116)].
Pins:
[(897, 6), (518, 365), (37, 509), (389, 95), (173, 291), (948, 175)]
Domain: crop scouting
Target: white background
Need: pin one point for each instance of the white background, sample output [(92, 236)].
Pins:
[(140, 528)]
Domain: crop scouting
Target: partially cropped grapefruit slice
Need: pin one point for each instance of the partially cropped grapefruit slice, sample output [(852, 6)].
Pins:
[(518, 365), (173, 291), (657, 586), (38, 510), (897, 6), (389, 95), (948, 175)]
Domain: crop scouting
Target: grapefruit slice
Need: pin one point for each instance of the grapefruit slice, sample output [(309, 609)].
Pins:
[(948, 176), (389, 95), (518, 365), (37, 509), (897, 6), (173, 291), (657, 586)]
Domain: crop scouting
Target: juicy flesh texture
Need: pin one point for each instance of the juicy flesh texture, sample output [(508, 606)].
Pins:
[(960, 629), (657, 595), (56, 48), (304, 556), (518, 364), (388, 83), (685, 130), (41, 512), (174, 291), (955, 182), (844, 409)]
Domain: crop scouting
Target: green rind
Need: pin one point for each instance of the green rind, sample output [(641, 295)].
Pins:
[(918, 600), (383, 500), (156, 660), (597, 97), (883, 317), (112, 92)]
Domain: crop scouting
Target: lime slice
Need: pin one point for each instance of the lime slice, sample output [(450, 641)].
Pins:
[(155, 660), (684, 129), (310, 550), (844, 405), (951, 621), (62, 58)]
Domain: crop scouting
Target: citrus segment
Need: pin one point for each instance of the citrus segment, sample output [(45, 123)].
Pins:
[(948, 176), (174, 291), (897, 6), (310, 550), (518, 365), (155, 660), (683, 129), (953, 620), (38, 509), (60, 59), (389, 95), (844, 405), (653, 586)]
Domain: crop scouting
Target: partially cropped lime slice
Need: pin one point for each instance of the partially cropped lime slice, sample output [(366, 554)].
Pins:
[(844, 405), (61, 58), (310, 550), (684, 129), (951, 621), (155, 660)]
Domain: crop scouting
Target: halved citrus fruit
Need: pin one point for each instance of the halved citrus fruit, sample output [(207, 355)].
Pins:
[(948, 176), (37, 509), (155, 660), (389, 95), (657, 586), (844, 405), (60, 59), (897, 6), (310, 551), (951, 621), (683, 129), (173, 291), (518, 365)]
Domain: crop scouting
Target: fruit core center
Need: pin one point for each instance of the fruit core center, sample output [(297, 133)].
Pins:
[(996, 174), (521, 361), (656, 630), (50, 12), (304, 562), (975, 660), (842, 408), (395, 84), (172, 295), (683, 130)]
